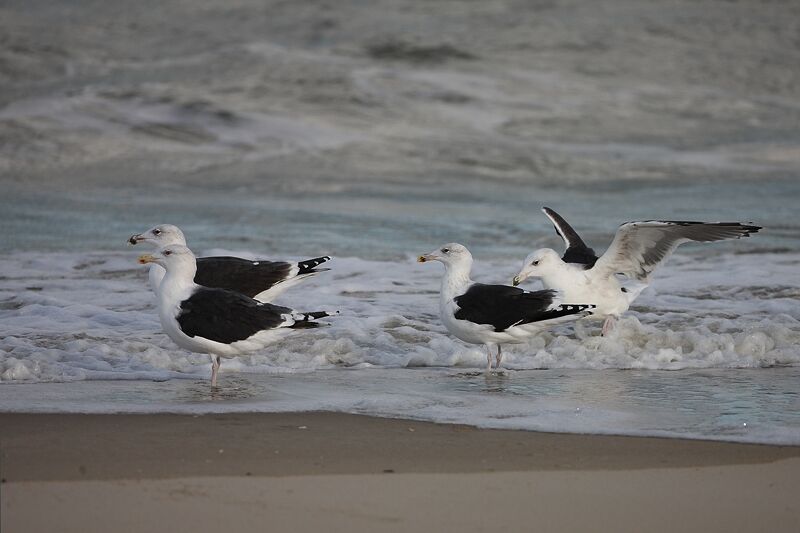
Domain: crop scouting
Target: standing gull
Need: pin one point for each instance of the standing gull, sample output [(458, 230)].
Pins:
[(262, 280), (219, 322), (637, 250), (493, 314)]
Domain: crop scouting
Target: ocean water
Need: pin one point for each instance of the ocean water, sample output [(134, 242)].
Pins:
[(706, 349), (374, 134)]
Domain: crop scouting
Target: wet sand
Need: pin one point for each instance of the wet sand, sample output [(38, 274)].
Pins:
[(338, 472)]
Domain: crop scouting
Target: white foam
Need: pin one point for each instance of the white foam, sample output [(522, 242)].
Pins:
[(69, 317)]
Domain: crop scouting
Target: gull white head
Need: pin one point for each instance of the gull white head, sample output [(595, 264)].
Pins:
[(538, 264), (453, 255), (175, 258), (160, 236)]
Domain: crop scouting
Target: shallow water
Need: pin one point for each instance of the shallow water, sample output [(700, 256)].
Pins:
[(748, 406)]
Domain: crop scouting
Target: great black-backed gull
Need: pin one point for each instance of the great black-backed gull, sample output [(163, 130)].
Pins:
[(262, 280), (637, 250), (493, 314), (219, 322)]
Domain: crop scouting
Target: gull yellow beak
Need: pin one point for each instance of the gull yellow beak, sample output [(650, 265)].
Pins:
[(516, 281), (421, 259), (146, 258)]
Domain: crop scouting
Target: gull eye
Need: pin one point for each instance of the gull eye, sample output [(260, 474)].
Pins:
[(167, 252), (535, 262), (445, 250), (156, 232)]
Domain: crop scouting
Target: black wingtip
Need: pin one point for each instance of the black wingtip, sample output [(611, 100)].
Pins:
[(319, 314), (309, 265), (307, 321), (751, 228), (746, 229), (577, 308)]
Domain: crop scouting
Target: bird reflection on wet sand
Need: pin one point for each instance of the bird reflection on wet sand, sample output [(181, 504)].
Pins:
[(496, 382), (233, 388)]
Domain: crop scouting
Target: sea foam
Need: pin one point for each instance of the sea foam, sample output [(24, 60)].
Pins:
[(75, 316)]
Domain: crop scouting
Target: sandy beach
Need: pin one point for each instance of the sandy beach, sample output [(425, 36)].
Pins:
[(339, 472), (373, 132)]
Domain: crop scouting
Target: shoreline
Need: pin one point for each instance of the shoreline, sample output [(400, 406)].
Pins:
[(70, 447), (320, 471)]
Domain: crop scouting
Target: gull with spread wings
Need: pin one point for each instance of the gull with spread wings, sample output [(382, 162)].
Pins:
[(637, 250)]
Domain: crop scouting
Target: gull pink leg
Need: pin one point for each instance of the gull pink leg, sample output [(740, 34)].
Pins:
[(214, 370), (608, 325)]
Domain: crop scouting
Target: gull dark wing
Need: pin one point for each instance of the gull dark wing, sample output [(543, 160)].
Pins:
[(639, 247), (240, 275), (502, 306), (227, 316), (576, 249), (249, 277)]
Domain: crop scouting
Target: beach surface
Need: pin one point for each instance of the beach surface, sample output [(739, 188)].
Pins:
[(373, 132), (340, 472)]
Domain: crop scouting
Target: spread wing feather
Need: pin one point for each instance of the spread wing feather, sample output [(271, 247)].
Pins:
[(639, 247), (576, 250)]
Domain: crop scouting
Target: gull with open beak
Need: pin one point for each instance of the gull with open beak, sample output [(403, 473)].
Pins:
[(493, 315)]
